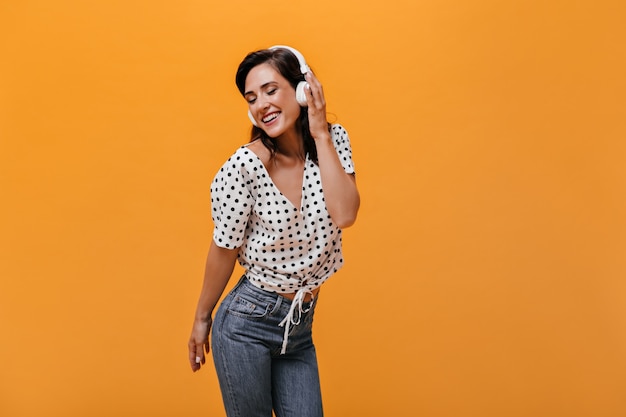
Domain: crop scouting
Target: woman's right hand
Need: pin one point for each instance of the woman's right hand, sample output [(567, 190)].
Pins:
[(199, 343), (219, 267)]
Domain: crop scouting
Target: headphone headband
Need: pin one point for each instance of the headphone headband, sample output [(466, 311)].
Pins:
[(304, 68)]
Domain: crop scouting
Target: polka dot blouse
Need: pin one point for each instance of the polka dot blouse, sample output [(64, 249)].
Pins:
[(284, 249)]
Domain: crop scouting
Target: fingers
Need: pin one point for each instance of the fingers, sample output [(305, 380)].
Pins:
[(194, 359), (200, 357), (197, 356), (312, 79), (199, 344), (318, 125), (315, 92)]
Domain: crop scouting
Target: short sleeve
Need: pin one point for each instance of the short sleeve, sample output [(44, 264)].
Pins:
[(343, 148), (231, 203)]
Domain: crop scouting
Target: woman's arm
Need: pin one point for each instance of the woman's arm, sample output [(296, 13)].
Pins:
[(340, 190), (220, 263)]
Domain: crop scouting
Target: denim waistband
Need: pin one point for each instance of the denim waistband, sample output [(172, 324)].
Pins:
[(297, 306)]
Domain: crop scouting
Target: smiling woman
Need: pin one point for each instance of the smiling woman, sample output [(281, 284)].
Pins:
[(271, 101), (484, 276), (278, 204)]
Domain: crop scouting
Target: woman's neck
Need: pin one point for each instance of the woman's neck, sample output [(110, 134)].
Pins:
[(291, 146)]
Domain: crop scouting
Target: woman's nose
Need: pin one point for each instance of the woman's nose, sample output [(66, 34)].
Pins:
[(260, 106), (263, 103)]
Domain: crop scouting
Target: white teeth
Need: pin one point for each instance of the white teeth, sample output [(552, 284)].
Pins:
[(270, 117)]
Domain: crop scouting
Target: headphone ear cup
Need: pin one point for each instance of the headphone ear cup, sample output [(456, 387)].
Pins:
[(301, 93), (252, 118)]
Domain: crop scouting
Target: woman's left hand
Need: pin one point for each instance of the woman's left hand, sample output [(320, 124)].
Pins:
[(316, 102)]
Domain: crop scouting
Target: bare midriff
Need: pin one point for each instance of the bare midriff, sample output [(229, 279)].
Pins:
[(307, 297)]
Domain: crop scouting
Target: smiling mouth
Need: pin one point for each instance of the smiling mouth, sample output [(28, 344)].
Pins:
[(270, 117)]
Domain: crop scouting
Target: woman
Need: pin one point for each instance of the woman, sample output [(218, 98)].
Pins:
[(278, 204)]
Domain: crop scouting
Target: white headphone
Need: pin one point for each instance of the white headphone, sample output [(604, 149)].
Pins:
[(301, 87)]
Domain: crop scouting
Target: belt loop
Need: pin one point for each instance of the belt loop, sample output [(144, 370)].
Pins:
[(279, 301)]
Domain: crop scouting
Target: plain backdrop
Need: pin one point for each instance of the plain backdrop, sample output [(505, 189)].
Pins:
[(486, 275)]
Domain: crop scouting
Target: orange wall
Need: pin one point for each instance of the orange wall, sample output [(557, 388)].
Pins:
[(485, 276)]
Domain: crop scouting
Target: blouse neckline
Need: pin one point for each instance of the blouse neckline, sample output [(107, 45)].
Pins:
[(273, 184)]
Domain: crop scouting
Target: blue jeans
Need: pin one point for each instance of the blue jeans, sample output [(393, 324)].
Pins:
[(254, 377)]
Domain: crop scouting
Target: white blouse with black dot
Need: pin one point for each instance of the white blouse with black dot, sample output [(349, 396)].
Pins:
[(284, 248)]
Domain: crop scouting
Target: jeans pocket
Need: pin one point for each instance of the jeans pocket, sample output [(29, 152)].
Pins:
[(245, 306)]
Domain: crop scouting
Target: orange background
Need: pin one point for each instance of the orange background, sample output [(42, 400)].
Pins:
[(486, 275)]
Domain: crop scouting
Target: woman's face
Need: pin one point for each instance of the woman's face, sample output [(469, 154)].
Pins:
[(271, 100)]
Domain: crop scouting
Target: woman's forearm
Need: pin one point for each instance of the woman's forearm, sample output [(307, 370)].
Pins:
[(340, 190), (219, 267)]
